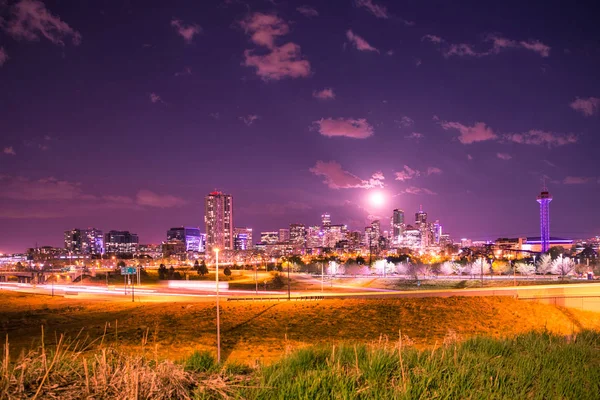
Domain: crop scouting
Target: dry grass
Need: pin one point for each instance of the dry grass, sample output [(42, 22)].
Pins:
[(263, 331)]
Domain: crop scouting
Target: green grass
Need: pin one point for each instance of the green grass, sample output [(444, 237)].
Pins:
[(536, 365)]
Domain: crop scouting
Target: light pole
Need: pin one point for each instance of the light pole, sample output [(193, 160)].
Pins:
[(289, 295), (218, 318)]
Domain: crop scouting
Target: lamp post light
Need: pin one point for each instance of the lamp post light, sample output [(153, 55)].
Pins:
[(218, 318)]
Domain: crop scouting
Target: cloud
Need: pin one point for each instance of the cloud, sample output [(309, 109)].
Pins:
[(282, 62), (433, 171), (151, 199), (504, 156), (377, 10), (325, 94), (249, 119), (576, 180), (9, 150), (414, 190), (471, 134), (337, 178), (264, 28), (358, 42), (405, 122), (499, 44), (415, 136), (3, 56), (469, 157), (275, 209), (307, 11), (542, 138), (154, 98), (187, 71), (45, 189), (587, 106), (30, 20), (187, 32), (352, 128), (407, 174)]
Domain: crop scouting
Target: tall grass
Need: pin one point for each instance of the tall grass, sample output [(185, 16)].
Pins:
[(537, 365)]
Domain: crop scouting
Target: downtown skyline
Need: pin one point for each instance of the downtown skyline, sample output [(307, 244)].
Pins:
[(126, 116)]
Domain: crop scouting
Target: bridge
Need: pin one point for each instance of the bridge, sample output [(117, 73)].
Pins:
[(41, 276)]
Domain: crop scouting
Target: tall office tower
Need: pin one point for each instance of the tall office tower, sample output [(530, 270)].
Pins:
[(188, 235), (544, 199), (335, 234), (121, 242), (298, 235), (420, 216), (314, 237), (372, 234), (437, 231), (284, 235), (270, 237), (397, 225), (242, 238), (218, 216), (84, 241), (326, 220)]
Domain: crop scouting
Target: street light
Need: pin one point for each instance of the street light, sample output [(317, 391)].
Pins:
[(218, 320)]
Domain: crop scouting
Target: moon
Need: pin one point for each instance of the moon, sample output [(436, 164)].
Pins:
[(377, 199)]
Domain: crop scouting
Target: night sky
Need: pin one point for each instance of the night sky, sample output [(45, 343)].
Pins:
[(125, 114)]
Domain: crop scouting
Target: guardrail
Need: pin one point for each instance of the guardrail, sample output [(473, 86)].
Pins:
[(297, 298)]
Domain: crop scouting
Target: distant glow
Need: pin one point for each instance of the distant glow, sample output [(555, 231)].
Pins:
[(377, 199)]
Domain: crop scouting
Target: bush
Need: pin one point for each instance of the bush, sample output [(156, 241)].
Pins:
[(200, 361)]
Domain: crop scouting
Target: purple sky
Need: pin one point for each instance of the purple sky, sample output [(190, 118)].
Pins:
[(125, 114)]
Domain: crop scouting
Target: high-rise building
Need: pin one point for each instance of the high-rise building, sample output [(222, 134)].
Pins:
[(121, 242), (188, 235), (218, 216), (397, 225), (242, 238), (271, 237), (372, 234), (314, 237), (284, 235), (420, 216), (544, 199), (298, 235), (84, 241), (333, 235), (325, 220)]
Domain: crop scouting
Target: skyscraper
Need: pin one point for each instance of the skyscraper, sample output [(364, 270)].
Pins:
[(84, 241), (325, 220), (284, 235), (544, 198), (242, 238), (298, 235), (397, 225), (218, 216), (121, 242), (420, 216)]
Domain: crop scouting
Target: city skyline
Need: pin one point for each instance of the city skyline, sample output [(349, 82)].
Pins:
[(123, 117)]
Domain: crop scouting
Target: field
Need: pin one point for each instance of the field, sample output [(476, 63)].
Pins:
[(263, 331)]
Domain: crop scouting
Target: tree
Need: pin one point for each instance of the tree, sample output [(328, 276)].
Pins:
[(525, 268), (121, 264), (562, 266), (544, 265), (226, 271), (162, 272), (19, 266), (556, 251), (448, 268), (360, 260), (202, 269), (196, 266), (171, 273)]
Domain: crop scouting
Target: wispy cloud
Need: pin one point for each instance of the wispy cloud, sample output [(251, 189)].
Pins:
[(542, 138), (415, 136), (433, 171), (279, 62), (358, 42), (325, 94), (499, 44), (377, 10), (337, 178), (471, 134), (249, 119), (151, 199), (30, 20), (155, 98), (504, 156), (352, 128), (406, 174), (414, 190), (404, 122), (186, 31), (587, 106), (307, 11), (576, 180), (45, 189), (187, 71), (3, 56), (9, 151)]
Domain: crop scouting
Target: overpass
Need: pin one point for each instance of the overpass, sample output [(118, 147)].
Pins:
[(40, 276)]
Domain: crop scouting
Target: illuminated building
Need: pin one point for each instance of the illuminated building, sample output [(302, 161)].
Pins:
[(173, 248), (271, 237), (121, 242), (242, 238), (333, 235), (188, 235), (284, 235), (397, 224), (372, 234), (325, 220), (151, 250), (420, 217), (218, 216), (298, 235), (314, 237), (84, 241), (544, 199)]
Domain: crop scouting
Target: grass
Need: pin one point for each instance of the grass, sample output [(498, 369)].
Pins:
[(533, 365)]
